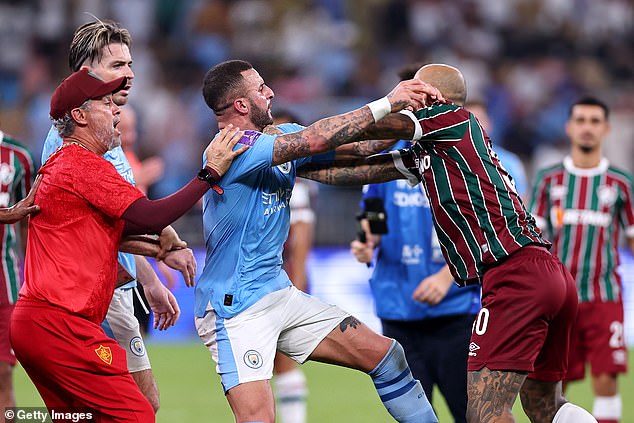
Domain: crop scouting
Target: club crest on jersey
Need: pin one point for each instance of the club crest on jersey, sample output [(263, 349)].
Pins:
[(607, 195), (253, 359), (7, 173), (558, 192), (105, 354), (284, 167), (136, 346)]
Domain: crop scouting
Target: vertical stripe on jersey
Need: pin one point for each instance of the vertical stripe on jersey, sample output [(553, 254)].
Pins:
[(591, 254), (579, 203), (450, 211), (511, 209), (9, 259), (478, 204)]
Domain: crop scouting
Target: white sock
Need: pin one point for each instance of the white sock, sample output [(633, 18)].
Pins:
[(608, 408), (291, 392), (570, 413)]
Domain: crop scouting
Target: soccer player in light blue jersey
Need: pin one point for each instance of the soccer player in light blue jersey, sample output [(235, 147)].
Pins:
[(246, 306)]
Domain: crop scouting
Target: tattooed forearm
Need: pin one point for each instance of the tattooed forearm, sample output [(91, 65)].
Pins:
[(323, 135), (491, 394), (350, 175), (363, 148), (394, 125)]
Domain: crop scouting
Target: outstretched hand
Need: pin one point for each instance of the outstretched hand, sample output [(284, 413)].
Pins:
[(415, 94), (22, 208), (220, 153)]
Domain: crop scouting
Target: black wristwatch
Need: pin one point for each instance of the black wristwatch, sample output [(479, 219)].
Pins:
[(207, 175)]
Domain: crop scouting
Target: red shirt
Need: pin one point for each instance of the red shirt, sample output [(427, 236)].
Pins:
[(71, 253)]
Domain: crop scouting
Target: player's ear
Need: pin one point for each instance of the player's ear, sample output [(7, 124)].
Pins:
[(79, 115), (241, 104)]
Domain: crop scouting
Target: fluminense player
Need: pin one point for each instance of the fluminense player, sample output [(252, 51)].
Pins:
[(16, 175), (246, 306), (520, 338), (582, 204)]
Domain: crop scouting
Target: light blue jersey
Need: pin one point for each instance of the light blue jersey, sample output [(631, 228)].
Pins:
[(407, 254), (513, 164), (120, 162), (245, 229)]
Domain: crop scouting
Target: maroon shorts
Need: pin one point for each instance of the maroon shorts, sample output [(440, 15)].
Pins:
[(74, 365), (6, 352), (529, 303), (598, 339)]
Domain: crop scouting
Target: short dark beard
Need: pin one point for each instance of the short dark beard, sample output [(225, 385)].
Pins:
[(260, 117), (585, 149)]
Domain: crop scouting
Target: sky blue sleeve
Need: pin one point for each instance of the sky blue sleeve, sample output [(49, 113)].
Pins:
[(52, 143), (259, 156), (513, 165)]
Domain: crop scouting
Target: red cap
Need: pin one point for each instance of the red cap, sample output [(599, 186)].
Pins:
[(79, 87)]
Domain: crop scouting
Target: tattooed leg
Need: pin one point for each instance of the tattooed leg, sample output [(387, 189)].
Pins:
[(352, 344), (541, 400), (492, 394)]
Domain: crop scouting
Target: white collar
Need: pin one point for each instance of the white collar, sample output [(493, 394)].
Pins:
[(590, 171)]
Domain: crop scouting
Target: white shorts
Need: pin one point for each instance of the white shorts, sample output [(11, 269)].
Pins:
[(287, 320), (121, 325)]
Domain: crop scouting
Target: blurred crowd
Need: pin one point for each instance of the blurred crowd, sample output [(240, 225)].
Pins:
[(528, 59)]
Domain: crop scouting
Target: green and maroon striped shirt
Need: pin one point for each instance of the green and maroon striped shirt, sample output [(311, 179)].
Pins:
[(478, 215), (582, 210), (16, 177)]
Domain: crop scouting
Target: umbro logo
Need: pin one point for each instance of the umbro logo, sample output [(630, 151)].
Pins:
[(473, 347)]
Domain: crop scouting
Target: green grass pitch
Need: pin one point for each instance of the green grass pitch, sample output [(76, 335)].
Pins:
[(191, 392)]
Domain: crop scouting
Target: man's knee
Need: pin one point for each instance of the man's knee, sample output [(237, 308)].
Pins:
[(147, 384)]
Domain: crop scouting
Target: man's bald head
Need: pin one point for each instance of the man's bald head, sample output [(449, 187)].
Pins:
[(447, 79)]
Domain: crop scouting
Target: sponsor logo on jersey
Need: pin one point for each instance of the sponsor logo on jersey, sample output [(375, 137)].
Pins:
[(7, 173), (253, 359), (275, 201), (473, 347), (410, 254), (137, 347), (558, 192), (5, 197), (607, 195), (581, 217), (424, 163), (105, 354)]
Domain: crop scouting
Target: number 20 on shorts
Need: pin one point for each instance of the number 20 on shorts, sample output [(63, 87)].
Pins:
[(481, 323)]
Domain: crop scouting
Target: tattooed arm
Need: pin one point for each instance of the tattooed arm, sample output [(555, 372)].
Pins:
[(350, 172), (394, 125), (327, 134)]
